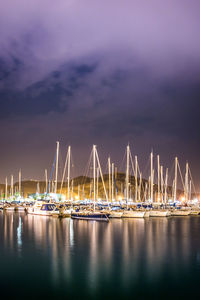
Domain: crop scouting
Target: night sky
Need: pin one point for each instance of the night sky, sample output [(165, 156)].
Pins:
[(107, 72)]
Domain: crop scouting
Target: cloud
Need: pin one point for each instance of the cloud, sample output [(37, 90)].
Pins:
[(43, 35), (99, 71)]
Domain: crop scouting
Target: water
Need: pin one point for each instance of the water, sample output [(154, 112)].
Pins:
[(139, 258)]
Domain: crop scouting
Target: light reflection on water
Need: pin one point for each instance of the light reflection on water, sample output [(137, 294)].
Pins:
[(93, 259)]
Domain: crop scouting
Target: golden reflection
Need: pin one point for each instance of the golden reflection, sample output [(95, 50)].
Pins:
[(121, 247)]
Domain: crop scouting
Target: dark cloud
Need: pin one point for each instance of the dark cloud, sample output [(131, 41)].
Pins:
[(98, 72)]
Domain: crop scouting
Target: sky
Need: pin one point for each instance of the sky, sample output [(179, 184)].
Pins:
[(107, 72)]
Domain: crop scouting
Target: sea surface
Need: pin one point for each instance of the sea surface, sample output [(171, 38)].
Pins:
[(47, 258)]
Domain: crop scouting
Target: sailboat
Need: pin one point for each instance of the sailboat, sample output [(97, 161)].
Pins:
[(93, 214), (128, 213), (160, 183)]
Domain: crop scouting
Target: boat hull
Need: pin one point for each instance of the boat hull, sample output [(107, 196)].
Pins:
[(116, 214), (90, 216), (180, 213), (194, 212), (133, 214), (159, 213), (39, 212)]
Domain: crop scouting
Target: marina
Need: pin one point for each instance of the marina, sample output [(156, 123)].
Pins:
[(101, 198), (99, 149)]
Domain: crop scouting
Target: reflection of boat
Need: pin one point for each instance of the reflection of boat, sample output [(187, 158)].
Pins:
[(90, 215), (178, 212), (133, 214), (160, 213)]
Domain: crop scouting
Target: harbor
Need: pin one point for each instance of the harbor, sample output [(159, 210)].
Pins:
[(101, 197), (99, 150)]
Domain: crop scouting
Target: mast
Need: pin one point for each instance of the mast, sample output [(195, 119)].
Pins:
[(98, 163), (127, 173), (68, 172), (109, 179), (136, 183), (175, 178), (112, 182), (186, 183), (166, 179), (97, 183), (158, 162), (56, 179), (161, 179), (152, 176), (149, 188), (94, 176)]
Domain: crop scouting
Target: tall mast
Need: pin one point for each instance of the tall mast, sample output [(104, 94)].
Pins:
[(186, 183), (152, 176), (158, 162), (109, 179), (97, 182), (98, 163), (175, 178), (68, 172), (136, 183), (161, 181), (56, 179), (127, 173), (94, 175), (112, 181)]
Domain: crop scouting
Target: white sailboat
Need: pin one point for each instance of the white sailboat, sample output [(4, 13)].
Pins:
[(93, 214), (128, 213)]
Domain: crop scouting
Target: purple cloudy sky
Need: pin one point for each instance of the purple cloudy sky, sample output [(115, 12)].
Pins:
[(107, 72)]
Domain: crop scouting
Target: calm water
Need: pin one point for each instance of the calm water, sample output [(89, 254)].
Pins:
[(51, 258)]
